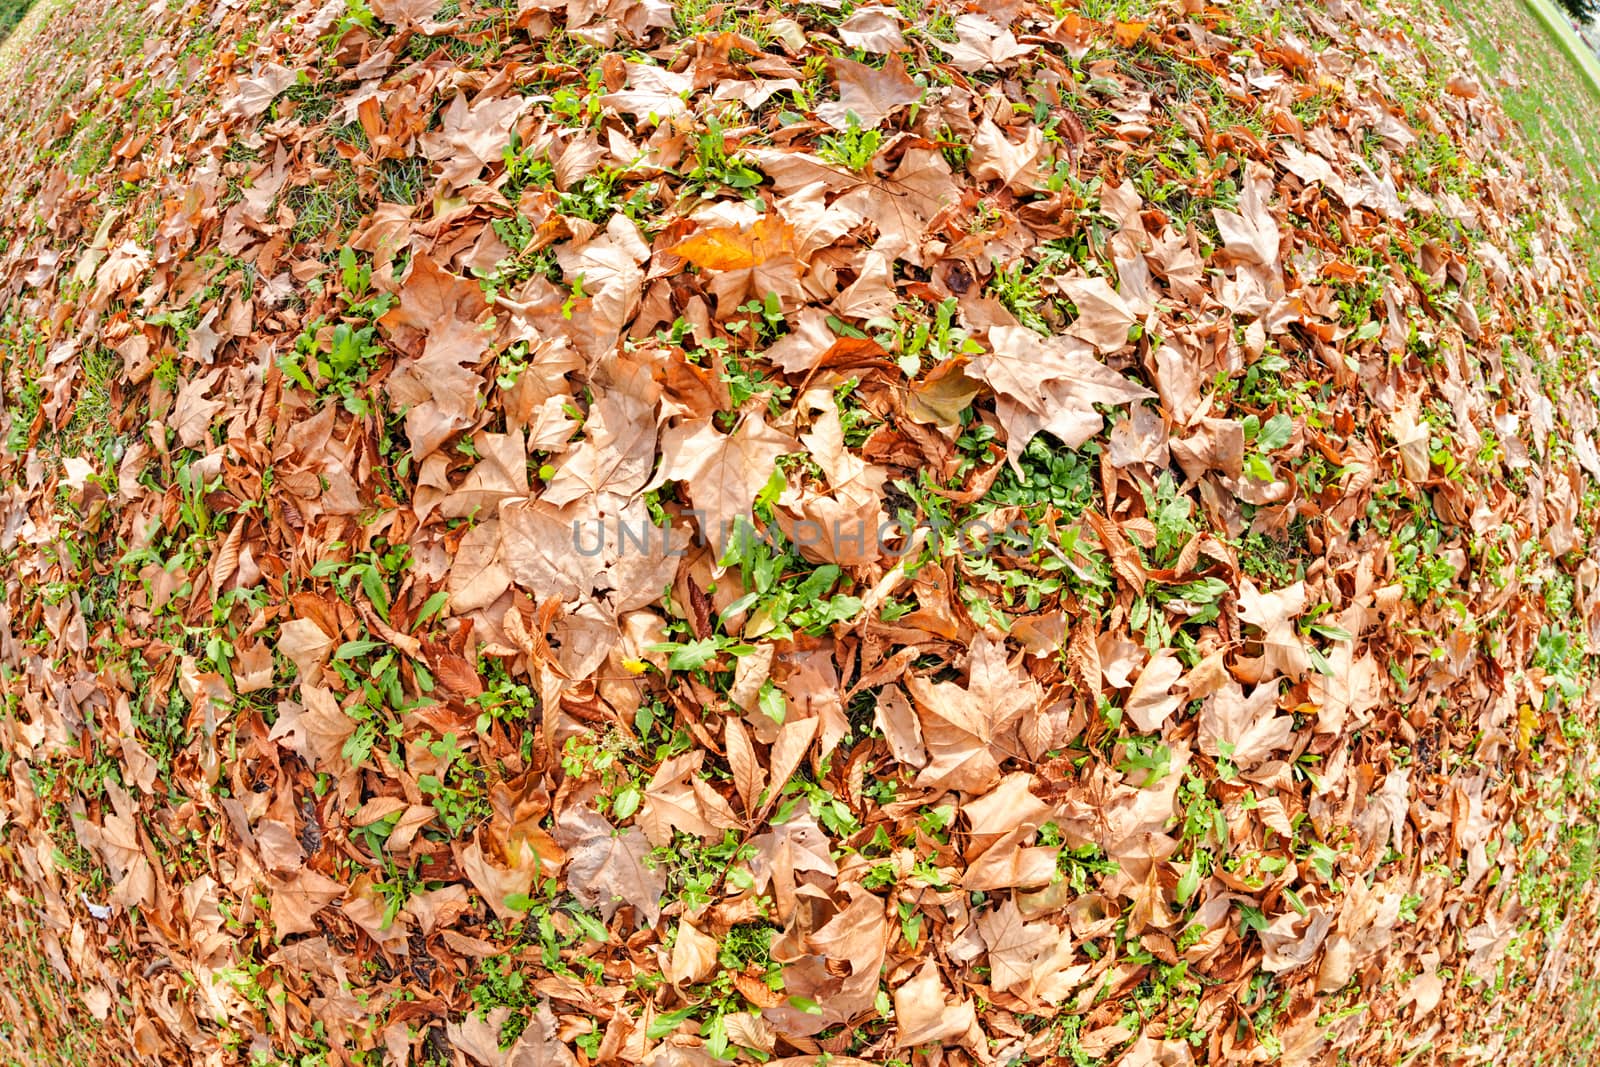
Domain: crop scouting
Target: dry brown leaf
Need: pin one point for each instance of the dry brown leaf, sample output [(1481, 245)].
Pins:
[(1048, 384), (868, 94)]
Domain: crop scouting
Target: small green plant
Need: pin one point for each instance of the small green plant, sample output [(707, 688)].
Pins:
[(456, 788), (357, 15), (1080, 866), (612, 760), (1147, 757), (697, 870), (1561, 657), (1423, 570), (1019, 289), (913, 337), (1264, 438), (338, 362), (502, 984), (1063, 479), (1269, 560), (854, 148), (784, 594), (524, 169), (375, 571), (580, 108), (397, 887), (356, 293), (714, 168)]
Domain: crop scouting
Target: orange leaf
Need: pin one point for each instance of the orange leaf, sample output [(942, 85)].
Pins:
[(730, 248), (1126, 33)]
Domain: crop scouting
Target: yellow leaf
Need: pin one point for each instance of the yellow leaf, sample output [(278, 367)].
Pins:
[(1527, 722)]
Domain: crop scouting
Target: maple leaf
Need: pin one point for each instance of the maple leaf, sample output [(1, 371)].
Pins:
[(479, 1037), (305, 644), (539, 546), (1016, 948), (1010, 862), (750, 263), (501, 879), (1250, 236), (1412, 439), (539, 1045), (797, 845), (723, 472), (615, 457), (1151, 700), (996, 158), (677, 798), (815, 223), (694, 955), (901, 204), (297, 899), (1104, 318), (923, 1014), (124, 266), (606, 867), (1291, 940), (1048, 384), (606, 270), (1283, 651), (940, 396), (316, 728), (653, 93), (868, 94), (1009, 805), (1311, 167), (279, 848), (364, 905), (1244, 730), (982, 44), (500, 473), (733, 248), (1352, 686), (805, 344), (430, 296), (472, 136), (962, 727), (438, 393), (849, 519), (1215, 445), (479, 574), (874, 29), (193, 412), (256, 94), (856, 939)]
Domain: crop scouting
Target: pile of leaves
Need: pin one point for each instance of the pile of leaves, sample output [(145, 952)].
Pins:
[(602, 532)]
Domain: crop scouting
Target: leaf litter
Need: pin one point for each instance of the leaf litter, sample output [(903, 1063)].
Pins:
[(594, 533)]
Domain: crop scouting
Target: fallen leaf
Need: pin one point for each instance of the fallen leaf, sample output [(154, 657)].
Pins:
[(1048, 385), (867, 95), (607, 868)]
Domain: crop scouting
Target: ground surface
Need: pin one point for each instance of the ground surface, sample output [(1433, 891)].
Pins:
[(1171, 433), (11, 13), (1553, 103)]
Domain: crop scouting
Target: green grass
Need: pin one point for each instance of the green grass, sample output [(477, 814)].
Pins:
[(1550, 94), (20, 22), (11, 12), (1556, 23)]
